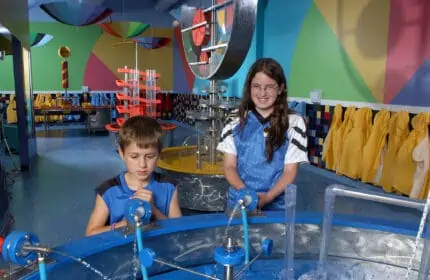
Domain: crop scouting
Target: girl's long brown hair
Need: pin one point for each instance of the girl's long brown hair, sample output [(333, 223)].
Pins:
[(279, 118)]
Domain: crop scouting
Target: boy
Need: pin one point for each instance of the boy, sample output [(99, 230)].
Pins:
[(140, 144)]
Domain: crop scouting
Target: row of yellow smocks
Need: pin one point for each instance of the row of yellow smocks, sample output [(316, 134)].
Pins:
[(355, 136), (358, 147), (46, 101), (11, 116), (334, 142), (373, 150), (41, 101)]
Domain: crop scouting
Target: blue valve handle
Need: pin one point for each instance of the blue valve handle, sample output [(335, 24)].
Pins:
[(267, 247), (147, 257), (12, 249), (249, 197), (138, 208)]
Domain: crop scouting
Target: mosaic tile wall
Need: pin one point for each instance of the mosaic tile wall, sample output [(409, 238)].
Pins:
[(318, 118)]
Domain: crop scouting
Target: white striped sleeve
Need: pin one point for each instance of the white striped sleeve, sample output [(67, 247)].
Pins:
[(297, 151), (226, 143)]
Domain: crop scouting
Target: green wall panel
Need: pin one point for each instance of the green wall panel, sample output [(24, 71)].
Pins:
[(79, 39), (46, 62), (320, 62)]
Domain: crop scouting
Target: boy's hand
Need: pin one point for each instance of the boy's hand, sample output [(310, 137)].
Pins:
[(144, 194)]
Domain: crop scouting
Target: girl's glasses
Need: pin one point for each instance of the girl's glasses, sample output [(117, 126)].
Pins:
[(267, 88)]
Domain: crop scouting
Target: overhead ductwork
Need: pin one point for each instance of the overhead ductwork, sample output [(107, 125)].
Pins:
[(168, 5)]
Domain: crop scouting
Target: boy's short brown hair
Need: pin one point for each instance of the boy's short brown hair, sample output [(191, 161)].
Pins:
[(145, 131)]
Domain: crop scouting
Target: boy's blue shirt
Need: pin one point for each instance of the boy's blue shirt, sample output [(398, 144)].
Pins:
[(116, 193)]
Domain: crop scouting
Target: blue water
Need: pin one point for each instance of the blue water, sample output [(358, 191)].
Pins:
[(304, 270)]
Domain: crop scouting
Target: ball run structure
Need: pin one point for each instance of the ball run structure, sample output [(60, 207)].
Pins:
[(138, 97)]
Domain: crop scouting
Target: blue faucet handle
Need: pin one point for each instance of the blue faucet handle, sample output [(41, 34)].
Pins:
[(147, 257), (138, 208), (266, 247), (248, 198), (13, 251)]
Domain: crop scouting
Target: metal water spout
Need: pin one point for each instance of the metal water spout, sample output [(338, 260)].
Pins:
[(229, 255)]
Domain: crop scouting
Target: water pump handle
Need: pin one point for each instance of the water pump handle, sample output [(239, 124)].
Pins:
[(147, 257), (13, 247), (248, 199), (267, 247), (138, 209)]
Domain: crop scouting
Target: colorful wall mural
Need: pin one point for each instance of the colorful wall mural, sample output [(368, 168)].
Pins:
[(110, 53), (364, 51), (368, 51), (96, 56), (373, 51)]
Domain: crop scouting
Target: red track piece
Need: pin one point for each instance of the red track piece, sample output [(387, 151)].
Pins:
[(201, 35)]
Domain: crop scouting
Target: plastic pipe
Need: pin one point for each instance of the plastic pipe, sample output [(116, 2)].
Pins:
[(42, 268), (425, 260), (245, 233), (329, 199), (139, 249), (290, 215), (425, 256)]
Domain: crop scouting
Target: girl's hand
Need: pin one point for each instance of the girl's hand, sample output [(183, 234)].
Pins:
[(263, 200), (144, 194)]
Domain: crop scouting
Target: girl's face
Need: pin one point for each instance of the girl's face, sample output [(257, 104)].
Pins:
[(264, 91)]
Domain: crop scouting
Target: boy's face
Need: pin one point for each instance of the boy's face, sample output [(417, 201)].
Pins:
[(140, 162)]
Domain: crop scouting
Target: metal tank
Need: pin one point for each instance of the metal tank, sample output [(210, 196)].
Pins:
[(345, 243)]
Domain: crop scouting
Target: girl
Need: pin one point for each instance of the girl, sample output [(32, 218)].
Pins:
[(263, 141)]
